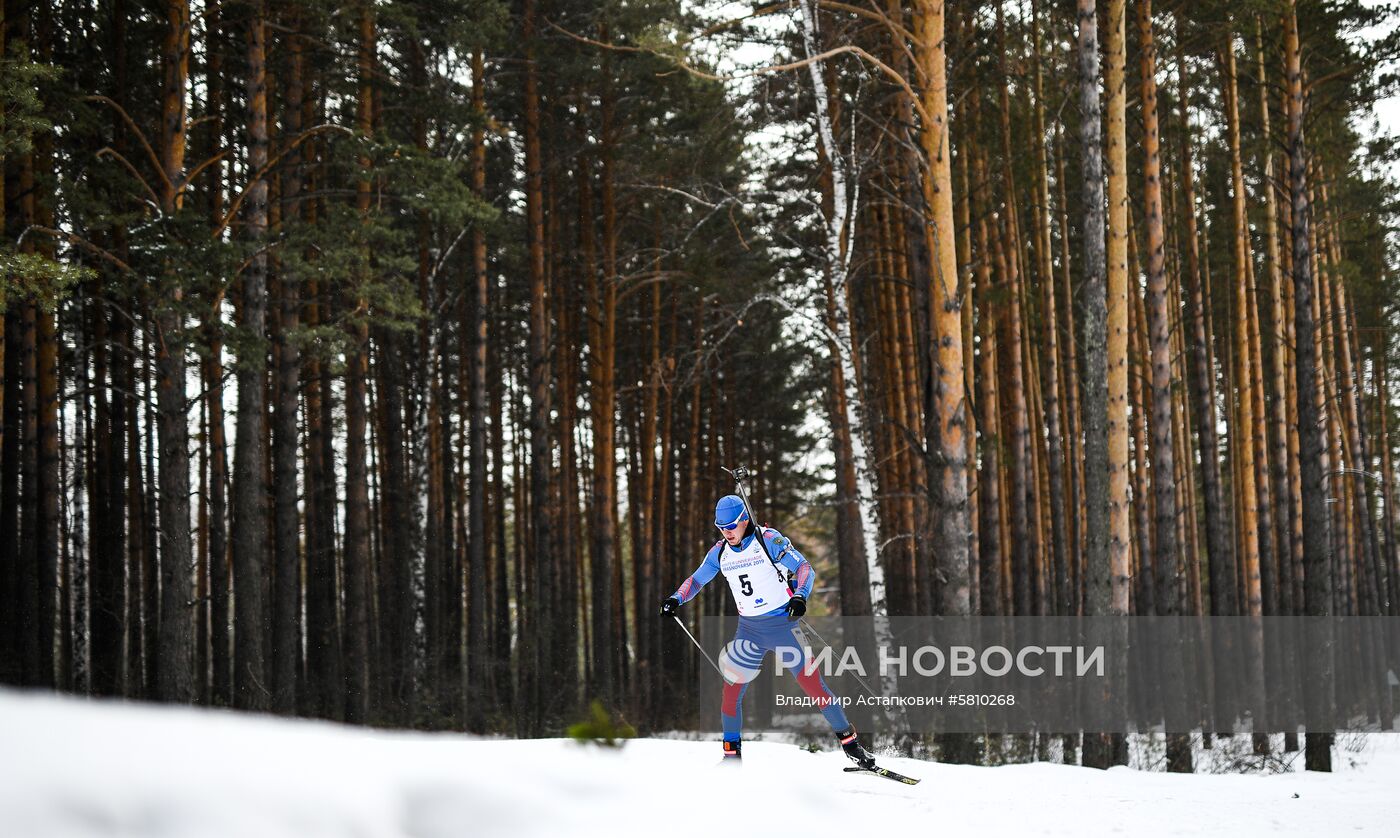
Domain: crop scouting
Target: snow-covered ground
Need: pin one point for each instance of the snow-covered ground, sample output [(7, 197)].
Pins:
[(70, 767)]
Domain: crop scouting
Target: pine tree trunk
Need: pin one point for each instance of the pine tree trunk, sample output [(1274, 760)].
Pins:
[(886, 363), (394, 567), (989, 541), (332, 567), (1381, 371), (1105, 341), (358, 577), (1143, 595), (693, 500), (108, 563), (1329, 409), (176, 635), (31, 574), (1012, 371), (37, 655), (426, 539), (286, 625), (500, 623), (477, 533), (1042, 541), (1094, 407), (1316, 538), (53, 587), (1295, 485), (602, 325), (541, 457), (663, 544), (949, 478), (1260, 442), (1015, 422), (1045, 276), (324, 694), (1367, 547), (1167, 547), (1279, 346), (568, 550), (137, 513), (643, 502), (212, 372), (1243, 358), (107, 571), (1159, 326), (1246, 378), (53, 524), (1117, 308), (1073, 400), (966, 271), (250, 524), (1202, 381)]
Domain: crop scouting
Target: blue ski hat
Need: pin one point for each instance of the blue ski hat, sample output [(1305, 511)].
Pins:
[(730, 511)]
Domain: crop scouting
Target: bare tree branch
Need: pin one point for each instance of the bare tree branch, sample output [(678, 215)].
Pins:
[(141, 135), (79, 241), (145, 184), (261, 173), (844, 49)]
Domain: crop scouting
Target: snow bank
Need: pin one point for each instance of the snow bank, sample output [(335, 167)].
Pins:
[(70, 767)]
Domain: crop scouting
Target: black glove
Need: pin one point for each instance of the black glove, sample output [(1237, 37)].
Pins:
[(796, 607), (670, 606)]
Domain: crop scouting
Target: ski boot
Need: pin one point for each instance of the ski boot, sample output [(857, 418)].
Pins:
[(731, 752), (850, 743)]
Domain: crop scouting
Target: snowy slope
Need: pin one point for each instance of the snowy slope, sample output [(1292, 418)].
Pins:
[(77, 768)]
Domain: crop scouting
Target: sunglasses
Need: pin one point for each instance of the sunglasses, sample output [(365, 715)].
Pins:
[(732, 527)]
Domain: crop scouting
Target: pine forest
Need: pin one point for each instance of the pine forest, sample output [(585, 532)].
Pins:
[(376, 360)]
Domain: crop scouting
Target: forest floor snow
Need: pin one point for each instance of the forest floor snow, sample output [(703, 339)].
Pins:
[(74, 767)]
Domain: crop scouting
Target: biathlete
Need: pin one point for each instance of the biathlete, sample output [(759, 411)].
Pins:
[(768, 611)]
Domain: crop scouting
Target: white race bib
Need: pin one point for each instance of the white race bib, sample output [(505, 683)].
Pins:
[(758, 585)]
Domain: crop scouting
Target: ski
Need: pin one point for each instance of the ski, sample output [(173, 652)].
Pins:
[(882, 772)]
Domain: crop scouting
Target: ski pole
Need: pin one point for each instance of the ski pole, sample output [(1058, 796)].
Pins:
[(702, 649), (822, 640), (740, 474)]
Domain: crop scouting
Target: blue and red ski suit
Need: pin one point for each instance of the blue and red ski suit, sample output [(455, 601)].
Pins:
[(764, 625)]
